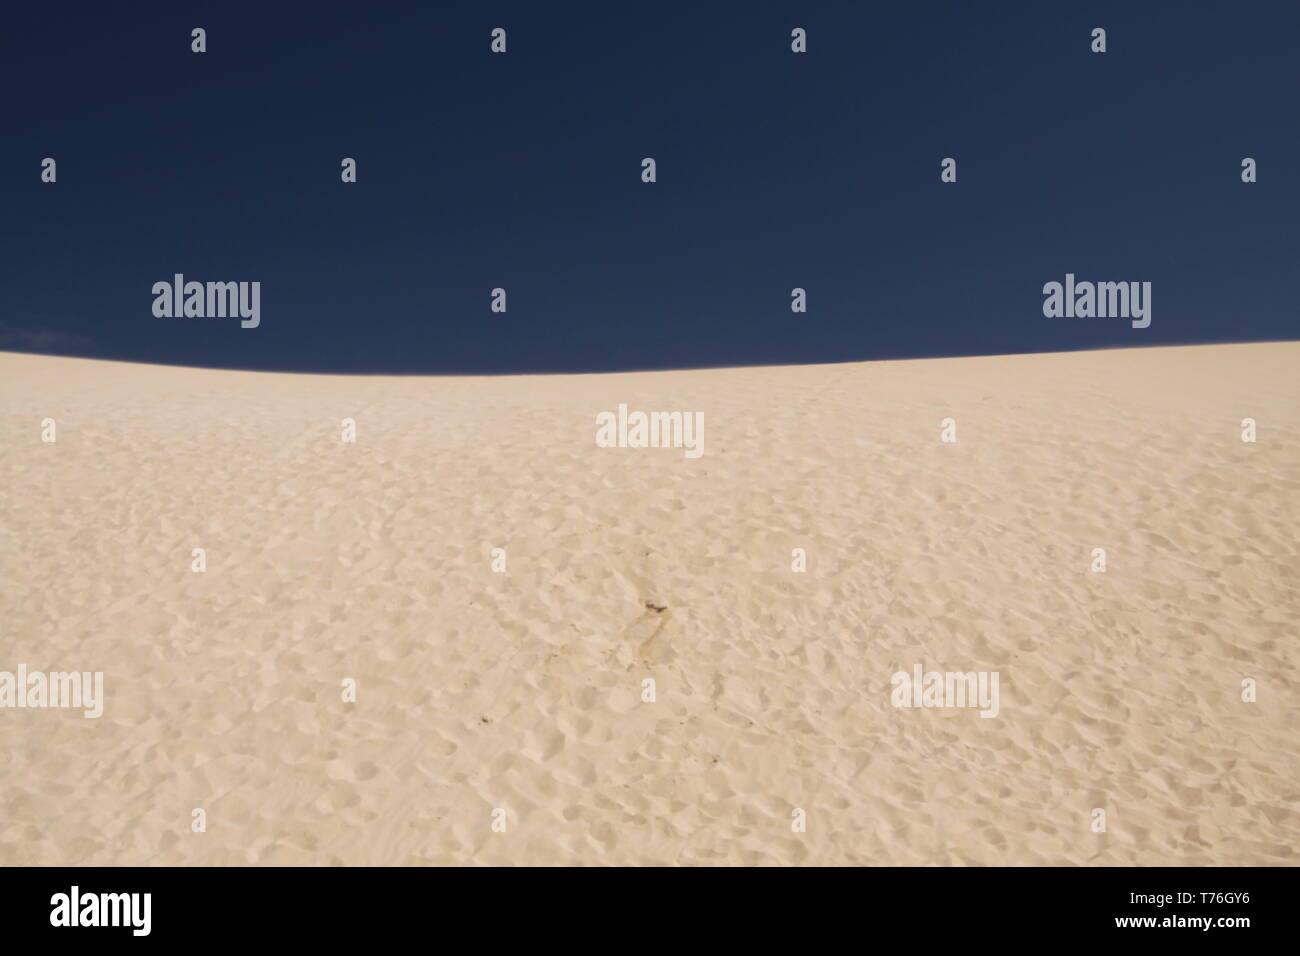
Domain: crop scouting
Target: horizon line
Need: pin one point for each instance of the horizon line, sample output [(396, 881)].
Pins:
[(636, 370)]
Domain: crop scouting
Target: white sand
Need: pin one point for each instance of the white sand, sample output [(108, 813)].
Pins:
[(521, 690)]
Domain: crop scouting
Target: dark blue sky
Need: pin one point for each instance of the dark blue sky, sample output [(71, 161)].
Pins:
[(522, 171)]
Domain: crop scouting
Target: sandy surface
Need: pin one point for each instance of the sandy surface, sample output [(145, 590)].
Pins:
[(522, 690)]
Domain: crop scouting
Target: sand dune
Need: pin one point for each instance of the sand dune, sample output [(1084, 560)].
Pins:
[(522, 690)]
